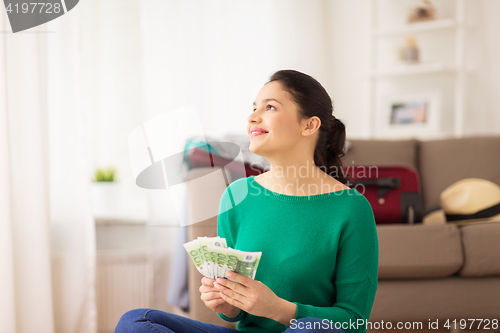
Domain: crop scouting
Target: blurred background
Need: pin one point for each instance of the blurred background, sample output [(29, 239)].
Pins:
[(76, 252)]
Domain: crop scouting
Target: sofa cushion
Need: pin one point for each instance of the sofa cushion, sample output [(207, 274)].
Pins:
[(481, 249), (381, 152), (419, 251), (444, 299), (443, 162)]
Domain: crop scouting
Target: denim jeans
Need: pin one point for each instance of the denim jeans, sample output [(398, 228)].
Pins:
[(156, 321)]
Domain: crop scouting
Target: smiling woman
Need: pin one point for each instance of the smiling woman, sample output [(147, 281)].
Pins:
[(319, 266), (293, 114)]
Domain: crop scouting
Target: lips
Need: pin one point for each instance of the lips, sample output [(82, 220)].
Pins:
[(254, 128), (257, 134), (258, 130)]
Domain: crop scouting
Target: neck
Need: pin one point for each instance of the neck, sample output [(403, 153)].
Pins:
[(290, 171), (293, 176)]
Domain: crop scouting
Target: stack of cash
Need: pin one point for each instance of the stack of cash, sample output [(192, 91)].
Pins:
[(213, 258)]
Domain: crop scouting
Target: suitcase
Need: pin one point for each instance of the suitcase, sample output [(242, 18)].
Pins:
[(393, 191), (201, 157)]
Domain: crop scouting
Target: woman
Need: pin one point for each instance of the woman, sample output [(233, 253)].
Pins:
[(319, 244)]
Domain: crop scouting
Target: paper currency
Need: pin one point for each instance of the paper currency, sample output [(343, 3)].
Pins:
[(246, 262), (193, 250), (208, 260), (219, 257), (213, 258)]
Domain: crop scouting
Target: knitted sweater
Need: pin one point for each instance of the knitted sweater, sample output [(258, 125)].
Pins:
[(319, 252)]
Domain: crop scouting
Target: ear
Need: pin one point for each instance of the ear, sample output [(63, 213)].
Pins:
[(311, 125)]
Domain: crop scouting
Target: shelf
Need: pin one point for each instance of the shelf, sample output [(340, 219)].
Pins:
[(415, 27), (412, 69), (446, 73)]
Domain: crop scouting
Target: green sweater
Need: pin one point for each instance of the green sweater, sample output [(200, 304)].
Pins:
[(319, 252)]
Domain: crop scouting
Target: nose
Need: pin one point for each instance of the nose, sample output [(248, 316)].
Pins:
[(254, 117)]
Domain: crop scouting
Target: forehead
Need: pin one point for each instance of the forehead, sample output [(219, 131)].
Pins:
[(273, 90)]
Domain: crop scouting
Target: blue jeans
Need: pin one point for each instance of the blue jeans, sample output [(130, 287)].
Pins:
[(156, 321)]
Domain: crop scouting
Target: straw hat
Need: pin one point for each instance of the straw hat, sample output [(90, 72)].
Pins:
[(470, 200)]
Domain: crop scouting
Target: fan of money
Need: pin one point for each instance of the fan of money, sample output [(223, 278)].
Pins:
[(213, 258)]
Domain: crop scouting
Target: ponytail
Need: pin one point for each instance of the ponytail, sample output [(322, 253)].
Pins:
[(330, 149)]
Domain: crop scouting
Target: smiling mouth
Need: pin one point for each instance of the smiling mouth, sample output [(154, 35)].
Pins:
[(253, 135)]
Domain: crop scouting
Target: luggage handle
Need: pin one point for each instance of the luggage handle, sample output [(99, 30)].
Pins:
[(383, 185)]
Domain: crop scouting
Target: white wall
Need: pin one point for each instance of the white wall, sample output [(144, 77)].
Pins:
[(112, 85), (348, 37), (483, 95), (218, 54)]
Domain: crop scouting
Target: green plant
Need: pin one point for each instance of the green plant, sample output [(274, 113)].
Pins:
[(104, 175)]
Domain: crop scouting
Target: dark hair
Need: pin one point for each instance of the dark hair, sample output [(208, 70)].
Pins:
[(313, 100)]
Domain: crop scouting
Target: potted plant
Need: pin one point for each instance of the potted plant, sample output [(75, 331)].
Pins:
[(106, 193)]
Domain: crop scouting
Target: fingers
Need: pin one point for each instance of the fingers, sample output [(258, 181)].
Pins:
[(209, 296), (205, 289), (230, 295), (236, 287), (207, 281), (244, 280), (220, 287), (212, 304), (207, 285), (233, 298)]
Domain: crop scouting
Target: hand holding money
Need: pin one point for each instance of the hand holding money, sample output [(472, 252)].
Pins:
[(255, 298), (211, 297), (213, 258)]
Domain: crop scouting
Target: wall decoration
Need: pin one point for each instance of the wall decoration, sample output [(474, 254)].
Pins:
[(409, 53), (413, 114), (423, 12)]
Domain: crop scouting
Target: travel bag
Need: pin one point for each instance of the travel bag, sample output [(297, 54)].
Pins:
[(393, 191)]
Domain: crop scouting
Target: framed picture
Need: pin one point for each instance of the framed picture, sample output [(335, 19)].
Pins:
[(409, 115)]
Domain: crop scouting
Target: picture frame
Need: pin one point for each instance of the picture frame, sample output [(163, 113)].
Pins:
[(409, 115)]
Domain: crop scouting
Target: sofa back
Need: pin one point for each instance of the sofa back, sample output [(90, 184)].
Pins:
[(382, 152), (440, 162), (446, 161)]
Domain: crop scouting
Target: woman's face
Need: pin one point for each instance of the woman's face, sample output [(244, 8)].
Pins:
[(275, 112)]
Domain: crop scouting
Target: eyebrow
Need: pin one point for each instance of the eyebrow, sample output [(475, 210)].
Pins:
[(269, 99)]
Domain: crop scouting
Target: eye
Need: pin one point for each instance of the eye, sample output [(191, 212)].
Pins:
[(269, 105)]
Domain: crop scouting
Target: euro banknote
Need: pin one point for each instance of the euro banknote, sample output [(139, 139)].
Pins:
[(212, 258), (208, 261)]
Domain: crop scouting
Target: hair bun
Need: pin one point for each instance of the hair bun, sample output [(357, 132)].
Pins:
[(334, 122)]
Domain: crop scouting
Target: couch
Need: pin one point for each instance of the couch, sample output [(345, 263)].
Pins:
[(426, 272)]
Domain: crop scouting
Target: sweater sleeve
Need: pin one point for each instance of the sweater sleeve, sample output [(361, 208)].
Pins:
[(226, 230), (356, 277)]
